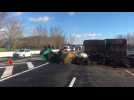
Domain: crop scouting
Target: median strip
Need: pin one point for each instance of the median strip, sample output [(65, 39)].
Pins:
[(129, 72), (7, 72), (30, 65), (72, 82), (3, 79)]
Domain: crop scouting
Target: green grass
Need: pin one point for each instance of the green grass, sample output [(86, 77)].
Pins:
[(3, 60), (3, 49)]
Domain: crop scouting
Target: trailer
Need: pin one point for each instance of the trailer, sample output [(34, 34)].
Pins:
[(108, 51), (94, 49)]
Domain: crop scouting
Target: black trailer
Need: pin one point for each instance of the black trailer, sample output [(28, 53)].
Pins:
[(108, 51), (95, 49)]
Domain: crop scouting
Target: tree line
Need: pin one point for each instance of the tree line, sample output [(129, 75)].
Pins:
[(130, 39), (12, 35), (40, 38)]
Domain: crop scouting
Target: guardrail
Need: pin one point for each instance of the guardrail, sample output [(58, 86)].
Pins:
[(35, 52), (10, 53)]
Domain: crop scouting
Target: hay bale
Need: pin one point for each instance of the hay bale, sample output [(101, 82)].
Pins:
[(69, 57)]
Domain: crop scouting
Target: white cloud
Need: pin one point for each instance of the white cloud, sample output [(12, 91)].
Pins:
[(71, 13), (43, 19), (77, 35), (19, 13), (94, 35), (80, 37)]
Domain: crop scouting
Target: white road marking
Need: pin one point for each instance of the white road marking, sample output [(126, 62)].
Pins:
[(19, 63), (30, 65), (22, 72), (7, 72), (72, 82), (129, 72)]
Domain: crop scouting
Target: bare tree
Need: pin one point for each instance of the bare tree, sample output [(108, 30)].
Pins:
[(13, 32), (1, 43), (120, 36), (41, 35), (130, 39), (57, 38), (40, 31), (40, 38), (71, 39), (3, 16)]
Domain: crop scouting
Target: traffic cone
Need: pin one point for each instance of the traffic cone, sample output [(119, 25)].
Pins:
[(10, 61)]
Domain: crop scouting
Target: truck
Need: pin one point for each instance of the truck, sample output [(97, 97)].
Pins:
[(108, 51)]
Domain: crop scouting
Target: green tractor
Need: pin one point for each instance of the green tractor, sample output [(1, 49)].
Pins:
[(52, 57)]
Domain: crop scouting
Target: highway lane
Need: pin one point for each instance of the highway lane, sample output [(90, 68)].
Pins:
[(103, 76), (52, 75), (59, 75)]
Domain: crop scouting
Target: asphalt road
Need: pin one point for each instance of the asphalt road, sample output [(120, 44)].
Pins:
[(59, 75)]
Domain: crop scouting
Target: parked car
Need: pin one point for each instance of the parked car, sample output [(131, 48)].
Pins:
[(23, 53), (67, 48)]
